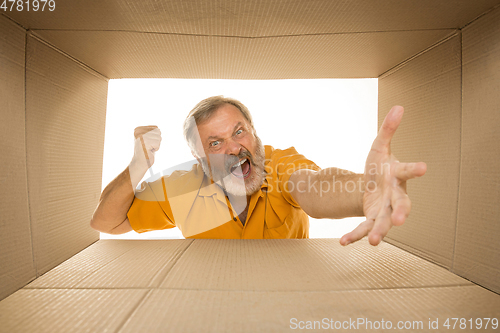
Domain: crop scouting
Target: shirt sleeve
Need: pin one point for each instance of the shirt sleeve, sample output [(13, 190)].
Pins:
[(150, 209), (285, 163)]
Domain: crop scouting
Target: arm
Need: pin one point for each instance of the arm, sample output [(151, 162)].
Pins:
[(110, 216), (329, 193)]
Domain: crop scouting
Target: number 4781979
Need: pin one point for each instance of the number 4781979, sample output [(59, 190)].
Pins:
[(27, 5)]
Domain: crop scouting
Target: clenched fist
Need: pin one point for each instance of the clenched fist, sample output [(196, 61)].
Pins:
[(147, 142)]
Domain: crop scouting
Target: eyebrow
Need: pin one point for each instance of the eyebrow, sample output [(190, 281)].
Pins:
[(239, 124)]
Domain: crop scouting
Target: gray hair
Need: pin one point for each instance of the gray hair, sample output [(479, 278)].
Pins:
[(204, 110)]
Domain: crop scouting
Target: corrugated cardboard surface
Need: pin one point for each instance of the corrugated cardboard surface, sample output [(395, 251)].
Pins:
[(257, 311), (255, 18), (68, 310), (477, 254), (429, 87), (312, 265), (110, 264), (65, 104), (248, 39), (124, 54), (239, 286), (16, 257), (65, 117)]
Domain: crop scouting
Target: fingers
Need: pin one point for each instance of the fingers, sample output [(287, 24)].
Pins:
[(381, 226), (145, 150), (141, 130), (405, 171), (359, 232), (150, 140), (393, 211), (388, 128), (147, 142), (401, 206), (376, 229)]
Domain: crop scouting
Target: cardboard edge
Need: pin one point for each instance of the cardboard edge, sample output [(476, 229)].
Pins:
[(397, 67), (419, 253), (15, 25), (460, 161), (35, 36), (484, 278), (480, 16), (13, 21), (163, 272)]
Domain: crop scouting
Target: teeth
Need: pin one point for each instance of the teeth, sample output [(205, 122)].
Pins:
[(240, 163)]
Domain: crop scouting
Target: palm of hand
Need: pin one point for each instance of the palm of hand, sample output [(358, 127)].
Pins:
[(382, 190), (385, 202)]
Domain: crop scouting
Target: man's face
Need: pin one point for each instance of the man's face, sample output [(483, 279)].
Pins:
[(235, 156)]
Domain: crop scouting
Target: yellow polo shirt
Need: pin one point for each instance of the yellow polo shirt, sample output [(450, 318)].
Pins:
[(200, 209)]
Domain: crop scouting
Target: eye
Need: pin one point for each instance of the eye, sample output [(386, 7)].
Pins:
[(238, 132), (214, 143)]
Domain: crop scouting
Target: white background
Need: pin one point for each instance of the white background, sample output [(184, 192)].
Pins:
[(331, 121)]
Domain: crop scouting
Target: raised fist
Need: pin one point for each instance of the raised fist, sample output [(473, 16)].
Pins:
[(147, 142)]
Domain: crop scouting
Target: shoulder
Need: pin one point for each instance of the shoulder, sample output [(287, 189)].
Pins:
[(280, 162), (284, 156), (273, 153)]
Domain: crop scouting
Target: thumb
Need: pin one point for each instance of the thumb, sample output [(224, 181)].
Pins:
[(388, 128), (145, 150)]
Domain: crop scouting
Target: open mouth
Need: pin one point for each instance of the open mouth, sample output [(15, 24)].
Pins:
[(241, 169)]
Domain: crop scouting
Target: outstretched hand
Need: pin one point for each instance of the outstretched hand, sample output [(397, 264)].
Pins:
[(385, 202)]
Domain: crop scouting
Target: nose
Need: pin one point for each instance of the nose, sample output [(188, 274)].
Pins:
[(233, 147)]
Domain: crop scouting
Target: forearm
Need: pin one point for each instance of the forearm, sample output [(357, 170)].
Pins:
[(116, 200), (330, 193)]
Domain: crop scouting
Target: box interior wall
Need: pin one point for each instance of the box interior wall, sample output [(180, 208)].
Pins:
[(53, 88)]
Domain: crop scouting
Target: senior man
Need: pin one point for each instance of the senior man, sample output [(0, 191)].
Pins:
[(241, 189)]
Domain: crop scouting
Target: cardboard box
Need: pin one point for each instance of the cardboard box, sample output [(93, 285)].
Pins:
[(441, 60), (241, 285)]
